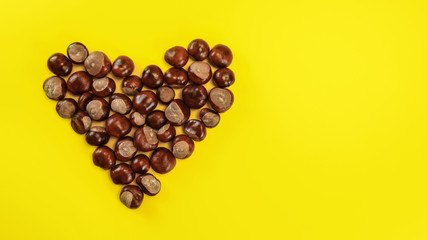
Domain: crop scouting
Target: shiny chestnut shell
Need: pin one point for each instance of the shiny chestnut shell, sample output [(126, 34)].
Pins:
[(152, 77), (221, 56), (198, 49), (104, 157), (59, 64), (79, 82), (145, 101), (195, 96), (117, 125), (176, 77), (176, 56), (162, 160), (122, 174), (123, 66), (145, 139)]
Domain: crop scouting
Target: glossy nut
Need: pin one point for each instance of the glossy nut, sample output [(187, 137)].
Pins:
[(162, 160), (223, 77), (195, 129), (221, 99), (123, 66), (176, 56), (97, 64), (182, 146), (98, 109), (97, 136), (137, 119), (55, 88), (79, 82), (59, 64), (221, 56), (198, 49), (177, 113), (140, 164), (84, 99), (124, 149), (165, 94), (156, 119), (81, 122), (145, 139), (103, 87), (199, 72), (104, 157), (77, 52), (131, 196), (176, 77), (120, 103), (122, 174), (66, 108), (194, 96), (131, 85), (117, 125), (209, 117), (166, 133), (144, 102), (149, 184), (152, 77)]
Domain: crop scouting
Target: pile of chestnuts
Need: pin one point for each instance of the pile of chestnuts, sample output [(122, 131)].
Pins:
[(145, 114)]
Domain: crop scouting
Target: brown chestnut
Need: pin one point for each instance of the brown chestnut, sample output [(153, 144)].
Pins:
[(77, 52), (140, 164), (145, 139), (156, 119), (97, 136), (198, 49), (59, 64), (55, 88), (166, 133), (125, 150), (176, 77), (145, 101), (131, 196), (165, 94), (221, 56), (97, 64), (195, 129), (104, 157), (103, 87), (79, 82), (66, 107), (177, 113), (137, 119), (182, 146), (149, 184), (131, 85), (223, 77), (209, 117), (120, 103), (162, 160), (199, 72), (152, 77), (221, 99), (98, 109), (84, 99), (195, 96), (117, 125), (176, 56), (122, 174), (81, 122), (123, 66)]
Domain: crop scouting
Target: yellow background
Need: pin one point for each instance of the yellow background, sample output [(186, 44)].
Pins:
[(326, 138)]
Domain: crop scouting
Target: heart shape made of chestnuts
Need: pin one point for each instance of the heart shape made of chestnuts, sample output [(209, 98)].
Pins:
[(134, 116)]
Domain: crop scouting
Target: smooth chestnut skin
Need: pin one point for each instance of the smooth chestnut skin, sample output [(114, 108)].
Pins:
[(149, 184), (120, 103), (84, 99), (77, 52), (66, 108), (81, 122), (97, 64), (221, 56), (156, 119), (98, 109), (195, 129), (59, 64), (140, 164), (166, 133), (199, 72), (221, 99), (198, 49), (152, 77), (209, 117), (124, 149), (97, 136), (176, 77), (131, 196), (223, 77), (55, 88), (122, 174), (145, 139), (104, 157), (145, 101), (177, 113), (176, 56), (137, 119), (103, 87), (123, 66), (162, 160), (182, 146), (165, 94), (117, 125), (131, 85), (195, 96), (79, 82)]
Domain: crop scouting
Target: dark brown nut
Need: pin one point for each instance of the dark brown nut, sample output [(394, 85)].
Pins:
[(98, 109), (145, 139), (120, 103), (104, 157), (66, 108), (103, 87), (177, 113), (223, 77), (152, 77), (199, 72), (97, 136), (77, 52), (145, 101), (195, 129), (166, 133), (176, 56), (79, 82), (176, 77), (131, 85), (122, 174), (209, 117), (195, 96), (117, 125), (59, 64), (55, 88), (81, 122), (149, 184), (140, 164), (125, 150), (182, 146), (221, 99), (137, 119), (84, 99), (162, 160), (97, 64), (123, 66), (156, 119), (221, 56), (165, 94), (131, 196), (198, 49)]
